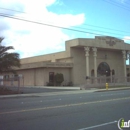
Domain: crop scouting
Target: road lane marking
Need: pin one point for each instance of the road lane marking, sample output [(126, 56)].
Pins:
[(61, 106), (104, 124), (59, 99), (112, 94), (41, 101), (31, 102)]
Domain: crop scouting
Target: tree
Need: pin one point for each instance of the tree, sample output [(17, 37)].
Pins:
[(8, 60)]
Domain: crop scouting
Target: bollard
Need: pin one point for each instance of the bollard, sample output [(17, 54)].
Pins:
[(106, 86)]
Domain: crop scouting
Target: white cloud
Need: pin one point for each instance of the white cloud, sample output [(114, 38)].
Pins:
[(59, 2), (33, 39), (127, 39)]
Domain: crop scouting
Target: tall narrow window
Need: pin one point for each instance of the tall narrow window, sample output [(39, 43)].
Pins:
[(92, 72), (51, 77), (113, 72)]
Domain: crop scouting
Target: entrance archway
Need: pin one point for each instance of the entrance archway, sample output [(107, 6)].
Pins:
[(103, 69)]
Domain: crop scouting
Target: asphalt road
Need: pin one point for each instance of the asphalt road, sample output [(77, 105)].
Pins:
[(83, 111)]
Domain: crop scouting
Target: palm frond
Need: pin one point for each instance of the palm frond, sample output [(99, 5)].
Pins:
[(4, 49), (1, 39), (8, 60)]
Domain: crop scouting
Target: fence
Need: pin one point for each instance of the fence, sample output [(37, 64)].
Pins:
[(13, 83), (100, 82)]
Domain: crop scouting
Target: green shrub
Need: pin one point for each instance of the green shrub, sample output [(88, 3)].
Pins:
[(59, 78)]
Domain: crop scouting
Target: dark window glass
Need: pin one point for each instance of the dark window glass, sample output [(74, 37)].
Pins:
[(51, 76), (103, 69), (113, 72)]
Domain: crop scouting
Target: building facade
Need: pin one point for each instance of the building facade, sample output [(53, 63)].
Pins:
[(83, 59)]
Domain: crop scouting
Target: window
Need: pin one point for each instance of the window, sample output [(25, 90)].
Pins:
[(6, 76), (103, 69), (92, 72), (51, 76), (113, 72)]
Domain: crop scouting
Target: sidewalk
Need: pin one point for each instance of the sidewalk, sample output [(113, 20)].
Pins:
[(54, 87), (78, 91), (72, 88), (113, 89)]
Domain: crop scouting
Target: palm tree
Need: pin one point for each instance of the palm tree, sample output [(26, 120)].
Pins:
[(8, 61)]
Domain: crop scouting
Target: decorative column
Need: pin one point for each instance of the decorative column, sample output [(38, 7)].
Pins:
[(95, 62), (87, 62), (124, 62)]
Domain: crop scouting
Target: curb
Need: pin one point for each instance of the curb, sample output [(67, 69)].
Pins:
[(46, 94), (113, 89), (61, 93)]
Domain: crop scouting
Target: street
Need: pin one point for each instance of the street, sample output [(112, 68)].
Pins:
[(79, 111)]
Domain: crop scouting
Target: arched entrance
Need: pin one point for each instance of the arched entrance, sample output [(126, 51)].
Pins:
[(103, 69)]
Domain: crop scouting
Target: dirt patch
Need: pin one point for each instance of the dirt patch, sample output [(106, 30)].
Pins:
[(8, 92)]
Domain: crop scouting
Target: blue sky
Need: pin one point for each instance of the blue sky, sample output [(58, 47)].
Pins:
[(103, 17), (111, 14)]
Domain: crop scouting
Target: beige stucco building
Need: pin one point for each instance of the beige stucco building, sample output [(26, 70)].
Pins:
[(83, 59)]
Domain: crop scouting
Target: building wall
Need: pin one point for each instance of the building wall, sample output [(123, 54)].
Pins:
[(109, 50), (113, 58), (28, 75), (79, 69), (40, 76), (65, 71), (47, 58), (76, 74), (65, 60)]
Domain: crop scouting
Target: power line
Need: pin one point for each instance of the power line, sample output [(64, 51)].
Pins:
[(123, 2), (12, 10), (36, 22), (100, 31), (107, 28), (77, 27), (4, 15), (115, 4), (126, 2)]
